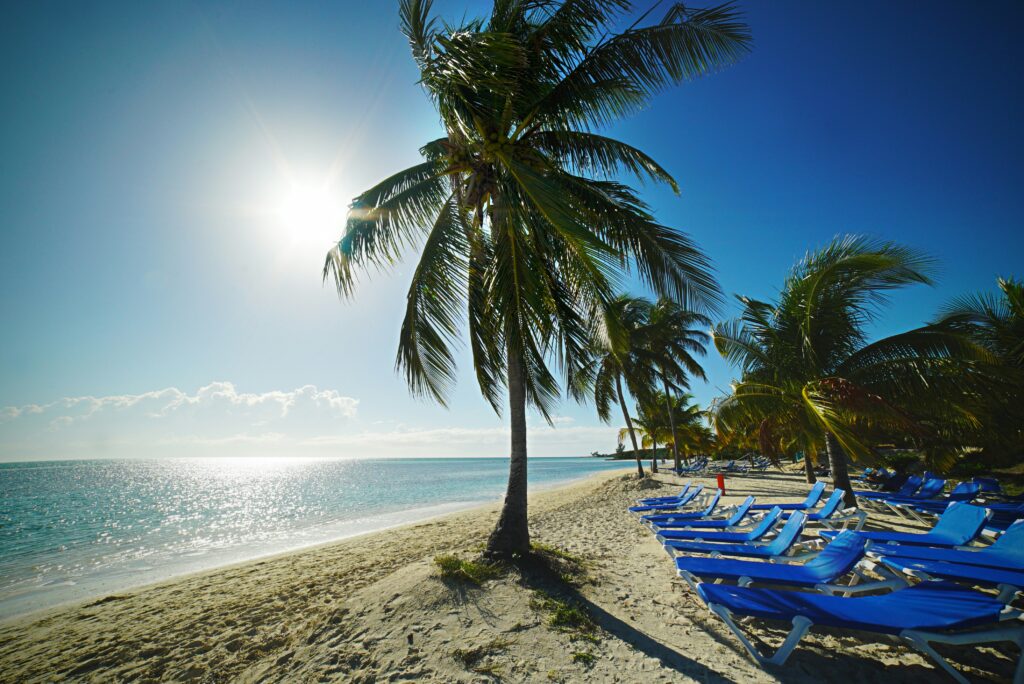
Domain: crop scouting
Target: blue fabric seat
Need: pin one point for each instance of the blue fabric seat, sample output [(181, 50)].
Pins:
[(764, 526), (775, 549), (833, 513), (813, 497), (735, 519), (1009, 581), (930, 612), (929, 489), (1005, 552), (960, 524), (656, 518), (669, 505), (910, 485), (835, 561), (663, 499)]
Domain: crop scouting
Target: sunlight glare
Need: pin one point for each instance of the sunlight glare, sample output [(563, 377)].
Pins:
[(311, 214)]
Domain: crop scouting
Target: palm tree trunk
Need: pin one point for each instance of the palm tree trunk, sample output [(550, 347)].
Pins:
[(629, 426), (809, 468), (671, 425), (512, 533), (837, 466), (654, 455)]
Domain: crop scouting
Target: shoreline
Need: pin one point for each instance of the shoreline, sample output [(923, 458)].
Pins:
[(402, 519)]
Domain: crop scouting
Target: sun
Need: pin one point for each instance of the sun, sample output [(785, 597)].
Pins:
[(311, 211), (310, 216)]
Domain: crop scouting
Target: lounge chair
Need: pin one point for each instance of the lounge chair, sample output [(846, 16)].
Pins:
[(1004, 515), (1005, 552), (930, 612), (965, 491), (1006, 580), (820, 573), (833, 514), (929, 490), (695, 467), (960, 524), (664, 499), (658, 518), (775, 550), (813, 497), (670, 505), (910, 485), (764, 526), (989, 485), (738, 514)]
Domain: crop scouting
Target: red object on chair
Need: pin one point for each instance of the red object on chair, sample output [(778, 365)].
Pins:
[(721, 482)]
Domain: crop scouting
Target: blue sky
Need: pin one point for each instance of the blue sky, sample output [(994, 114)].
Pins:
[(160, 267)]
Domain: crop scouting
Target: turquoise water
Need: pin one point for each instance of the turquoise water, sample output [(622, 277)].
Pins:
[(73, 529)]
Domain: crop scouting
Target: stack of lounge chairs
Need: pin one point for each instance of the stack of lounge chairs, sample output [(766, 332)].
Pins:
[(941, 586)]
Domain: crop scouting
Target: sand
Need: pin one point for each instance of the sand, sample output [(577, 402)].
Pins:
[(375, 609)]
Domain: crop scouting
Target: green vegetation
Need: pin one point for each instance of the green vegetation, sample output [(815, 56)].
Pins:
[(583, 657), (570, 569), (643, 346), (811, 380), (524, 233), (474, 572), (564, 616), (470, 658)]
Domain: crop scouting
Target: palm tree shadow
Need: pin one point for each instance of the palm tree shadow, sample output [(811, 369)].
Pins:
[(536, 574)]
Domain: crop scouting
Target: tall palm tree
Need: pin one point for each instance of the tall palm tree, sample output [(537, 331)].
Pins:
[(619, 337), (690, 431), (650, 424), (524, 230), (808, 368), (675, 336)]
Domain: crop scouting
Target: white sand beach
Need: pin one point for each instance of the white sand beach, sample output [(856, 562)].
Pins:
[(374, 608)]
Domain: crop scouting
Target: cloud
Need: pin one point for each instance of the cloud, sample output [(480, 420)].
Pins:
[(219, 419), (217, 413)]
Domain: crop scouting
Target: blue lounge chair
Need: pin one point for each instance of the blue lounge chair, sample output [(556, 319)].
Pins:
[(960, 524), (813, 497), (1008, 581), (659, 518), (764, 526), (670, 505), (820, 573), (965, 491), (1004, 515), (1005, 552), (909, 486), (662, 499), (695, 467), (989, 485), (833, 514), (929, 489), (739, 513), (775, 550), (930, 612)]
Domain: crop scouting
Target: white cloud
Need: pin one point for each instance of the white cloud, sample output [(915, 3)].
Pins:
[(219, 419)]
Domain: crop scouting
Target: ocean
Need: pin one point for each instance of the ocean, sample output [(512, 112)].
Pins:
[(70, 530)]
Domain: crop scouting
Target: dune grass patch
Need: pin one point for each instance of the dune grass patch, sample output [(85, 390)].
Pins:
[(565, 616), (453, 568)]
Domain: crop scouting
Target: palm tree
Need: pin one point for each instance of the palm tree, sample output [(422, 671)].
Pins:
[(523, 230), (673, 340), (996, 322), (620, 334), (690, 431), (808, 369)]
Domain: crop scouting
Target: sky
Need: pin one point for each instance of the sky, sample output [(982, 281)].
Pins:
[(173, 174)]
